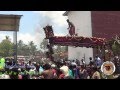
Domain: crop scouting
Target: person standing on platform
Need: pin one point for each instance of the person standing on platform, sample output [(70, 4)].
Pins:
[(71, 28)]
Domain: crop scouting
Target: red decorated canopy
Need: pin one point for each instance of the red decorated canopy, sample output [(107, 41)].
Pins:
[(77, 41)]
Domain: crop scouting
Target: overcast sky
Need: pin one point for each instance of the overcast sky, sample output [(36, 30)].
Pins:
[(32, 22)]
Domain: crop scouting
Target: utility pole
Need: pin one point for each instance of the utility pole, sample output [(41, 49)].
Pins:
[(15, 45)]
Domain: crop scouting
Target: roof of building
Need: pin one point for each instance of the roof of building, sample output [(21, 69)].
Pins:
[(66, 13)]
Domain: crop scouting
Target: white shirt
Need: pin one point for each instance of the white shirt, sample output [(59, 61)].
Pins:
[(73, 63), (65, 70)]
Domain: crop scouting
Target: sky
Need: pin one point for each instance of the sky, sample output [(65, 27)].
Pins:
[(32, 23)]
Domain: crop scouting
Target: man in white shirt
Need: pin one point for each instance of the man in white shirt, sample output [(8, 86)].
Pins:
[(74, 63)]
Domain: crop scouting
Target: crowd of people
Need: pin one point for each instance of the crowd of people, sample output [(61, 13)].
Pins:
[(65, 69)]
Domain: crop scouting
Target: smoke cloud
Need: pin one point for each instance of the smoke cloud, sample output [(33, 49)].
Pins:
[(54, 18)]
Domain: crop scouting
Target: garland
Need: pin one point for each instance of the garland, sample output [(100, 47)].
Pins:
[(78, 41)]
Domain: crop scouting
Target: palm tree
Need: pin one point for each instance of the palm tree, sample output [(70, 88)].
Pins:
[(20, 46), (33, 48), (7, 37)]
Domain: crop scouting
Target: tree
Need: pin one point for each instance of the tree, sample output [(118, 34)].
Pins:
[(25, 50), (115, 45), (6, 47), (32, 47), (19, 47), (43, 44)]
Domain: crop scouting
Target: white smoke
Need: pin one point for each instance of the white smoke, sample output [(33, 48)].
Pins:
[(39, 35), (54, 18)]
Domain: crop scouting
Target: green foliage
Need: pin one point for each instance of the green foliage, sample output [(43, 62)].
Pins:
[(6, 47), (24, 49), (115, 46), (43, 44), (20, 45), (32, 48)]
